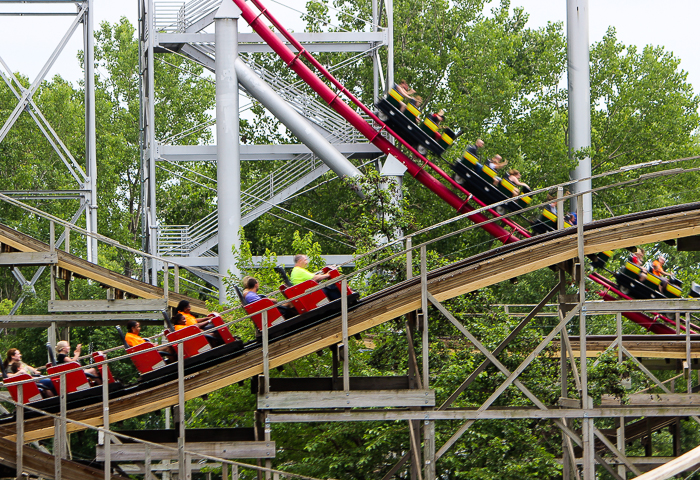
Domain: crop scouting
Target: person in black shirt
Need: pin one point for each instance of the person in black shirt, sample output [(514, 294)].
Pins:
[(62, 356), (474, 149), (438, 117)]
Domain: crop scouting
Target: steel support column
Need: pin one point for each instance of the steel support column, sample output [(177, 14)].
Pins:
[(294, 121), (586, 401), (228, 163), (90, 134), (148, 137), (389, 5), (579, 98)]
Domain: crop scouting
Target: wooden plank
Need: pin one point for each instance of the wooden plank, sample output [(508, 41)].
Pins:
[(25, 243), (466, 276), (79, 319), (28, 258), (42, 464), (493, 413), (658, 305), (664, 399), (131, 305), (654, 347), (351, 399), (650, 461), (569, 402), (135, 452)]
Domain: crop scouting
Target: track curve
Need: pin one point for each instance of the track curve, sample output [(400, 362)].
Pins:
[(461, 277)]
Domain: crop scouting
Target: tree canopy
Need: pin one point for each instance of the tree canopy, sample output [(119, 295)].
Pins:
[(499, 80)]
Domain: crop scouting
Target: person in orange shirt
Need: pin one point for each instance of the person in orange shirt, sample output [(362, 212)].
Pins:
[(180, 321), (657, 268), (184, 309), (134, 338)]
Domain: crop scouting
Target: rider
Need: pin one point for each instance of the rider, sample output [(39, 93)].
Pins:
[(62, 356), (657, 268), (301, 274), (133, 338), (14, 366), (514, 178), (250, 294)]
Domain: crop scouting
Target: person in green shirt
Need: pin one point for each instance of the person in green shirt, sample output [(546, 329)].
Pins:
[(301, 274)]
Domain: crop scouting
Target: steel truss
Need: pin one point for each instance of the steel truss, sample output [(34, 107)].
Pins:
[(166, 27), (85, 177)]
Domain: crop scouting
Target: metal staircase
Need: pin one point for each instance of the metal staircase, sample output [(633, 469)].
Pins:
[(195, 240), (182, 17), (199, 240)]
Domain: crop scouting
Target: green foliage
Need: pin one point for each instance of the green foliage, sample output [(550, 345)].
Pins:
[(264, 272), (305, 245), (6, 306), (607, 376), (498, 80)]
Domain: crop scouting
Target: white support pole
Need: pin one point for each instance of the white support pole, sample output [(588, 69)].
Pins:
[(266, 354), (151, 143), (105, 421), (586, 401), (409, 258), (579, 98), (181, 410), (57, 455), (228, 162), (375, 54), (389, 5), (689, 386), (90, 134), (346, 338), (424, 308), (19, 465)]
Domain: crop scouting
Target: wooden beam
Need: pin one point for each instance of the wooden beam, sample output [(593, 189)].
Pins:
[(659, 305), (135, 452), (28, 258), (351, 399), (25, 243), (663, 399), (78, 319), (42, 464), (653, 346), (132, 305), (493, 413)]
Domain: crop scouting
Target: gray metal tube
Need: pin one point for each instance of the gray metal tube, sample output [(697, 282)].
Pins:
[(579, 98), (151, 142), (297, 124), (90, 133), (228, 162), (390, 47)]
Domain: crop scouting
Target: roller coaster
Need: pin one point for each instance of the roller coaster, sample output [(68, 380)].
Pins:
[(521, 253)]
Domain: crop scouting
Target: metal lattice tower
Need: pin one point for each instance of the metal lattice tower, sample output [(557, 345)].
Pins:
[(83, 174), (182, 27)]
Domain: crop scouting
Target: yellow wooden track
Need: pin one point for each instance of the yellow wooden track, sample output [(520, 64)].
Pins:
[(456, 279)]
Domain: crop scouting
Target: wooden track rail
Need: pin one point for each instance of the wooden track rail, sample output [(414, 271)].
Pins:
[(42, 464), (456, 279), (83, 268)]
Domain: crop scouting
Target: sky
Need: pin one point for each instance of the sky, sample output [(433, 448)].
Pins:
[(26, 42)]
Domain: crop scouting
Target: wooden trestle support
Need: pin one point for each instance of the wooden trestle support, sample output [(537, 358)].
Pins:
[(410, 398)]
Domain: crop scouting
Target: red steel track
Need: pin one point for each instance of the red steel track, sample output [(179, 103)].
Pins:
[(294, 61)]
